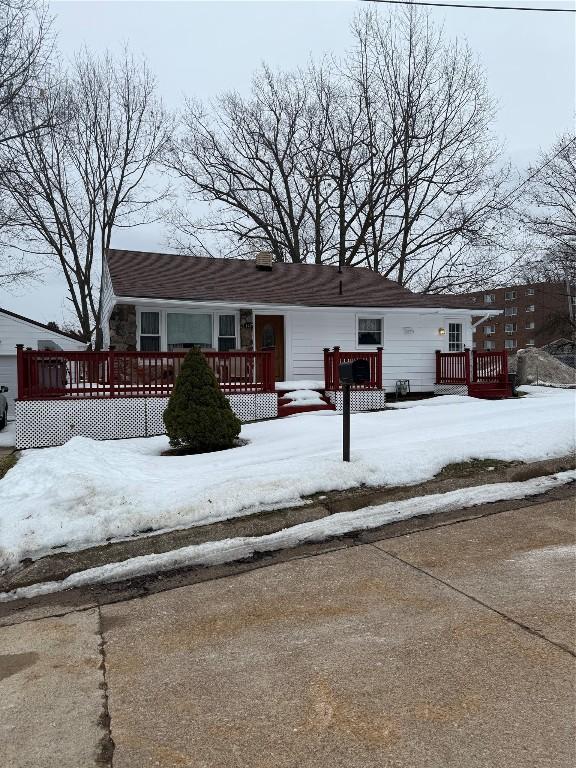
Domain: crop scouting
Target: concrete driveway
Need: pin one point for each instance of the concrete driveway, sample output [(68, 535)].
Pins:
[(450, 647)]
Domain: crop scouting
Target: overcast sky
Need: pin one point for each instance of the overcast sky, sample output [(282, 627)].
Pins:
[(202, 48)]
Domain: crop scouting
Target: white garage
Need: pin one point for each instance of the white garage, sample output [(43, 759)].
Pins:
[(16, 329)]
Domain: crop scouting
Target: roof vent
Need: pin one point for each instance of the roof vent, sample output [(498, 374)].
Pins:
[(264, 260)]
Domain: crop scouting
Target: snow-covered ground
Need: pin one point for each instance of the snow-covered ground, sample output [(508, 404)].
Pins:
[(87, 492), (230, 550)]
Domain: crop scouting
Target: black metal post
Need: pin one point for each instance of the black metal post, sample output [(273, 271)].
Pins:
[(346, 422)]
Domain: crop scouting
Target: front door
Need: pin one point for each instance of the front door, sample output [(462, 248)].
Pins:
[(270, 335)]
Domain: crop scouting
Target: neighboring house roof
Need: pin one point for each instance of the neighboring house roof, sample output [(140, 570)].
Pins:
[(41, 325), (141, 274)]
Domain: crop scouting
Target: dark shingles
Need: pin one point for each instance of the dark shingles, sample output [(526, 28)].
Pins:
[(142, 274)]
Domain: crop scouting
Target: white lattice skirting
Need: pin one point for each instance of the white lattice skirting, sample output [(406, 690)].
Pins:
[(360, 400), (41, 423), (450, 389)]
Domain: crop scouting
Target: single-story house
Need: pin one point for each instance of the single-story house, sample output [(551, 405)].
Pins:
[(166, 302), (16, 329)]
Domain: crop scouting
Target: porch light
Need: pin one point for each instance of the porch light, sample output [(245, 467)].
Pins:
[(441, 331)]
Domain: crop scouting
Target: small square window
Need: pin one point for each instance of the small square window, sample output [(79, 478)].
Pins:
[(530, 325), (511, 311), (529, 291), (510, 327), (530, 343), (489, 298), (369, 331), (149, 343), (510, 344), (489, 330), (530, 308), (510, 295), (489, 345)]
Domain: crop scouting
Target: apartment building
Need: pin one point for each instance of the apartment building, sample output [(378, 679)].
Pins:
[(532, 315)]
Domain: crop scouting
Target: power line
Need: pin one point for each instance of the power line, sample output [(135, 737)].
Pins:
[(472, 5)]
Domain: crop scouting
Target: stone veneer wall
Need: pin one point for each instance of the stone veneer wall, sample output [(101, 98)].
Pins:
[(123, 328), (246, 329)]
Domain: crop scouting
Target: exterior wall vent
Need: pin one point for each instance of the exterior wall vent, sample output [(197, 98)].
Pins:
[(264, 260)]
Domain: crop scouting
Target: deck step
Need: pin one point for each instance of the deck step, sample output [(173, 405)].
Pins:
[(490, 391), (289, 407), (290, 410)]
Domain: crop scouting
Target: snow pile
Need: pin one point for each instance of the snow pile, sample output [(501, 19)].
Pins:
[(281, 386), (87, 492), (536, 366), (304, 397), (230, 550), (427, 402)]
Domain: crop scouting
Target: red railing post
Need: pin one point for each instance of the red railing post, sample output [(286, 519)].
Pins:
[(505, 367), (474, 365), (336, 368), (111, 371), (20, 372), (378, 367), (467, 365), (327, 376), (271, 374), (438, 367)]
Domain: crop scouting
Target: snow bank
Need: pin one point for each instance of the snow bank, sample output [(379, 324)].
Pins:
[(536, 366), (304, 397), (87, 492), (304, 384), (230, 550)]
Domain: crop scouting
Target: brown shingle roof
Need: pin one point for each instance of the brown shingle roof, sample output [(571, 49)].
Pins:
[(141, 274)]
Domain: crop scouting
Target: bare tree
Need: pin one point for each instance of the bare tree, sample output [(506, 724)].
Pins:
[(547, 213), (384, 159), (442, 225), (86, 174), (25, 47)]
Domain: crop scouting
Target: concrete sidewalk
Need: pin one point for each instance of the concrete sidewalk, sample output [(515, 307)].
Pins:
[(450, 647)]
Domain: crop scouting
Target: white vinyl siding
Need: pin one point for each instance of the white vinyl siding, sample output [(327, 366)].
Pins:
[(409, 344), (409, 339)]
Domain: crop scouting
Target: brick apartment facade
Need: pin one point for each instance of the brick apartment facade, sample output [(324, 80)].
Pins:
[(533, 315)]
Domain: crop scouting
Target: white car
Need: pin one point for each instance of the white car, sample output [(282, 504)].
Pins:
[(3, 408)]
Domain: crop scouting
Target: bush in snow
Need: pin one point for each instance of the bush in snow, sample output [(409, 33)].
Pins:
[(199, 417)]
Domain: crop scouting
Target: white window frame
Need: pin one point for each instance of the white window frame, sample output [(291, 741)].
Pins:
[(489, 298), (489, 330), (489, 345), (530, 291), (510, 311), (369, 317), (531, 308), (139, 332), (510, 295), (509, 343), (510, 327), (459, 344), (163, 313), (530, 343), (530, 325)]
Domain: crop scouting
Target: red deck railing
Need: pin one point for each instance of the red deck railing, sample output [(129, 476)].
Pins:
[(487, 367), (49, 374), (332, 360)]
